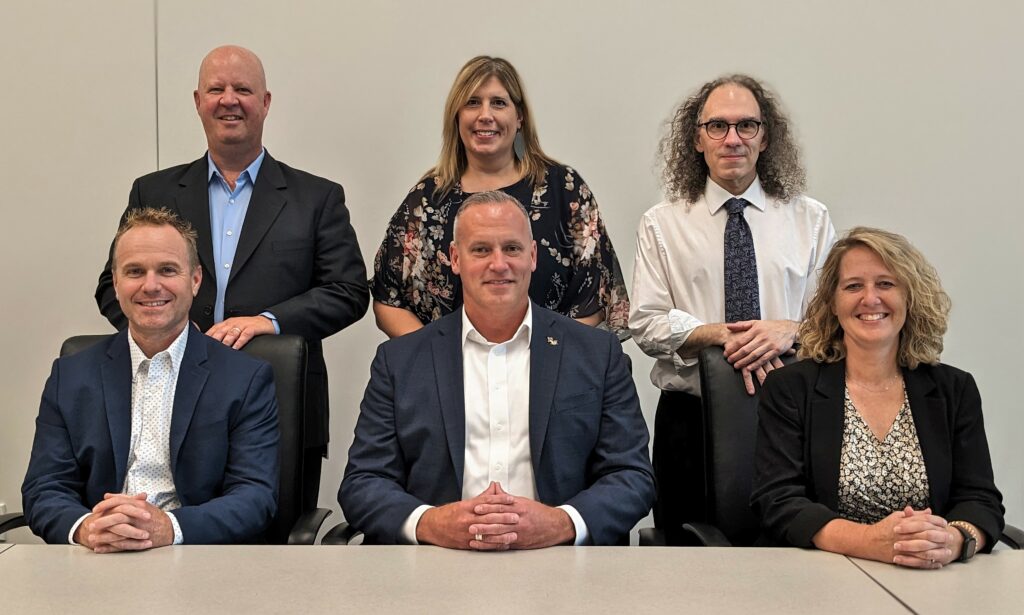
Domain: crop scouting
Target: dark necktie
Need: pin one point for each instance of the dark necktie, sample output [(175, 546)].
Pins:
[(742, 300)]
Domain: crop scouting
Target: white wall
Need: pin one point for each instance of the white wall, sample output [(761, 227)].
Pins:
[(901, 109)]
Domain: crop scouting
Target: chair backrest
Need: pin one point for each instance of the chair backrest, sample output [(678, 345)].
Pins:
[(730, 429), (287, 355)]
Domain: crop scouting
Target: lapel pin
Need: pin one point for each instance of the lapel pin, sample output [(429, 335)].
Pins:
[(552, 341)]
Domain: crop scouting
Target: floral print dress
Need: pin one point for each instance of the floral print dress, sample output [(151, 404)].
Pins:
[(577, 272)]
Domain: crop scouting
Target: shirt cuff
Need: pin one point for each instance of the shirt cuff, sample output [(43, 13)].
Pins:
[(682, 325), (273, 321), (71, 534), (409, 527), (178, 538), (582, 535)]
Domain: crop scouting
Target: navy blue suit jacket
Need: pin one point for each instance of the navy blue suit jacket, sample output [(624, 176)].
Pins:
[(223, 447), (588, 439)]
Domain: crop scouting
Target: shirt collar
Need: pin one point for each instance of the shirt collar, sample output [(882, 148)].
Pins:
[(175, 351), (470, 333), (250, 171), (715, 196)]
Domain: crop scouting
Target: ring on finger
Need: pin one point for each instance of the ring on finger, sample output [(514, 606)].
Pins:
[(236, 330), (479, 537)]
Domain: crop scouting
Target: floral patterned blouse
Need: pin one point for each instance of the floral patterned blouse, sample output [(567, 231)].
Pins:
[(577, 270), (879, 478)]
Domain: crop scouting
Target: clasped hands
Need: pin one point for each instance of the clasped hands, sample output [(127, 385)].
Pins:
[(754, 347), (495, 521), (124, 523), (917, 539)]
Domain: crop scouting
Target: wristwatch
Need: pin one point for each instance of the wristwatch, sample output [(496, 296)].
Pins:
[(970, 545)]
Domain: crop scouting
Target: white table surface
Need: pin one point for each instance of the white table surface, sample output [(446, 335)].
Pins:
[(378, 580), (4, 547), (989, 584)]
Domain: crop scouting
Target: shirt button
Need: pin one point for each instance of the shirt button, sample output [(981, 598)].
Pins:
[(497, 467), (501, 427), (231, 201), (230, 233), (227, 265)]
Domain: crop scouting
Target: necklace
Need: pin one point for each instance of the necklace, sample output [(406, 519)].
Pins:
[(883, 388)]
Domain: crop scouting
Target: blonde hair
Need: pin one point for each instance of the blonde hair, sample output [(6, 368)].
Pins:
[(821, 336), (452, 161), (152, 216)]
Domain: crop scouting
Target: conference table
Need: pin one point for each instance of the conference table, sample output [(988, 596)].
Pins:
[(378, 579)]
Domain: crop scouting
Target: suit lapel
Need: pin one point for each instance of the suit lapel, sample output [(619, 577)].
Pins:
[(116, 374), (193, 204), (545, 360), (268, 197), (929, 413), (192, 375), (827, 412), (446, 347)]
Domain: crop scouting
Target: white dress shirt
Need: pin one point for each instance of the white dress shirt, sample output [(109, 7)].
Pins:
[(496, 389), (154, 381), (678, 275)]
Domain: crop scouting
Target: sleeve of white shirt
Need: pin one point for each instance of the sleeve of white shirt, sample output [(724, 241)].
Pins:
[(409, 527), (824, 237), (71, 534), (178, 538), (582, 533), (657, 326)]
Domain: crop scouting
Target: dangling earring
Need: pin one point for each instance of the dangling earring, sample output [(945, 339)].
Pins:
[(519, 145)]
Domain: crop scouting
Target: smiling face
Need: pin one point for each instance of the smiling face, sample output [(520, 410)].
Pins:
[(494, 255), (732, 161), (488, 122), (870, 303), (154, 284), (232, 100)]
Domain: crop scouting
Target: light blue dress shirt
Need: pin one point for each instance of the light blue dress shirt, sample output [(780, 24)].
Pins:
[(227, 214)]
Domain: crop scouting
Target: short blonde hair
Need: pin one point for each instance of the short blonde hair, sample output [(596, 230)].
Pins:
[(152, 216), (821, 336), (451, 163)]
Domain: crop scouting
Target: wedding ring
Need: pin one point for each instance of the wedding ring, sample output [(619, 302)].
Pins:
[(479, 537), (236, 330)]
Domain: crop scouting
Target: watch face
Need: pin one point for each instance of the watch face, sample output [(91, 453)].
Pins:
[(970, 546)]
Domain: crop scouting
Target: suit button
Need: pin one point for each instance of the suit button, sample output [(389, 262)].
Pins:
[(207, 310)]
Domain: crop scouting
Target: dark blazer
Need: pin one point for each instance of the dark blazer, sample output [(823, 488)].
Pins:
[(297, 258), (223, 441), (799, 442), (588, 439)]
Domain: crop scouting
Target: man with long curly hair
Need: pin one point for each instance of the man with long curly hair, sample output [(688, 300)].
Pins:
[(728, 259)]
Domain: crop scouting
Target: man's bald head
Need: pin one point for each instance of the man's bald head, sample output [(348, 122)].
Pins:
[(232, 101)]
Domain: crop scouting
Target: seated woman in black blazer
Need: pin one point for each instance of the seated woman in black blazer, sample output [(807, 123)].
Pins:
[(870, 447)]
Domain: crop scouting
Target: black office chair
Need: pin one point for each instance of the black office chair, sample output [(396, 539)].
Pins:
[(286, 355)]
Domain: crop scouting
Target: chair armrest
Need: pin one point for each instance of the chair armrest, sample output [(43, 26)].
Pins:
[(307, 526), (653, 537), (341, 534), (707, 534), (1012, 537), (12, 521)]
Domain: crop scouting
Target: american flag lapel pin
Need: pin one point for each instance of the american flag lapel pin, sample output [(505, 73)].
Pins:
[(552, 341)]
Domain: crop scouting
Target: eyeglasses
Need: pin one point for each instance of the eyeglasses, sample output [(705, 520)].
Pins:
[(718, 129)]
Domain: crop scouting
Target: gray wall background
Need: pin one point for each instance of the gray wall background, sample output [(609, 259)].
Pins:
[(907, 112)]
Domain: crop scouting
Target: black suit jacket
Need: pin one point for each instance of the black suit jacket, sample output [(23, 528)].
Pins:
[(799, 442), (297, 258), (588, 438)]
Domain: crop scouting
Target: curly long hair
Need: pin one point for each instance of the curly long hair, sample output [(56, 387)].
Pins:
[(685, 172), (928, 306), (451, 163)]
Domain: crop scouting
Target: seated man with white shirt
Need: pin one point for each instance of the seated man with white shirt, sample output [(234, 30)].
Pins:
[(158, 435), (502, 425)]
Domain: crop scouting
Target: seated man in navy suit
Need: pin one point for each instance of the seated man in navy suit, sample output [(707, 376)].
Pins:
[(158, 435), (502, 425)]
